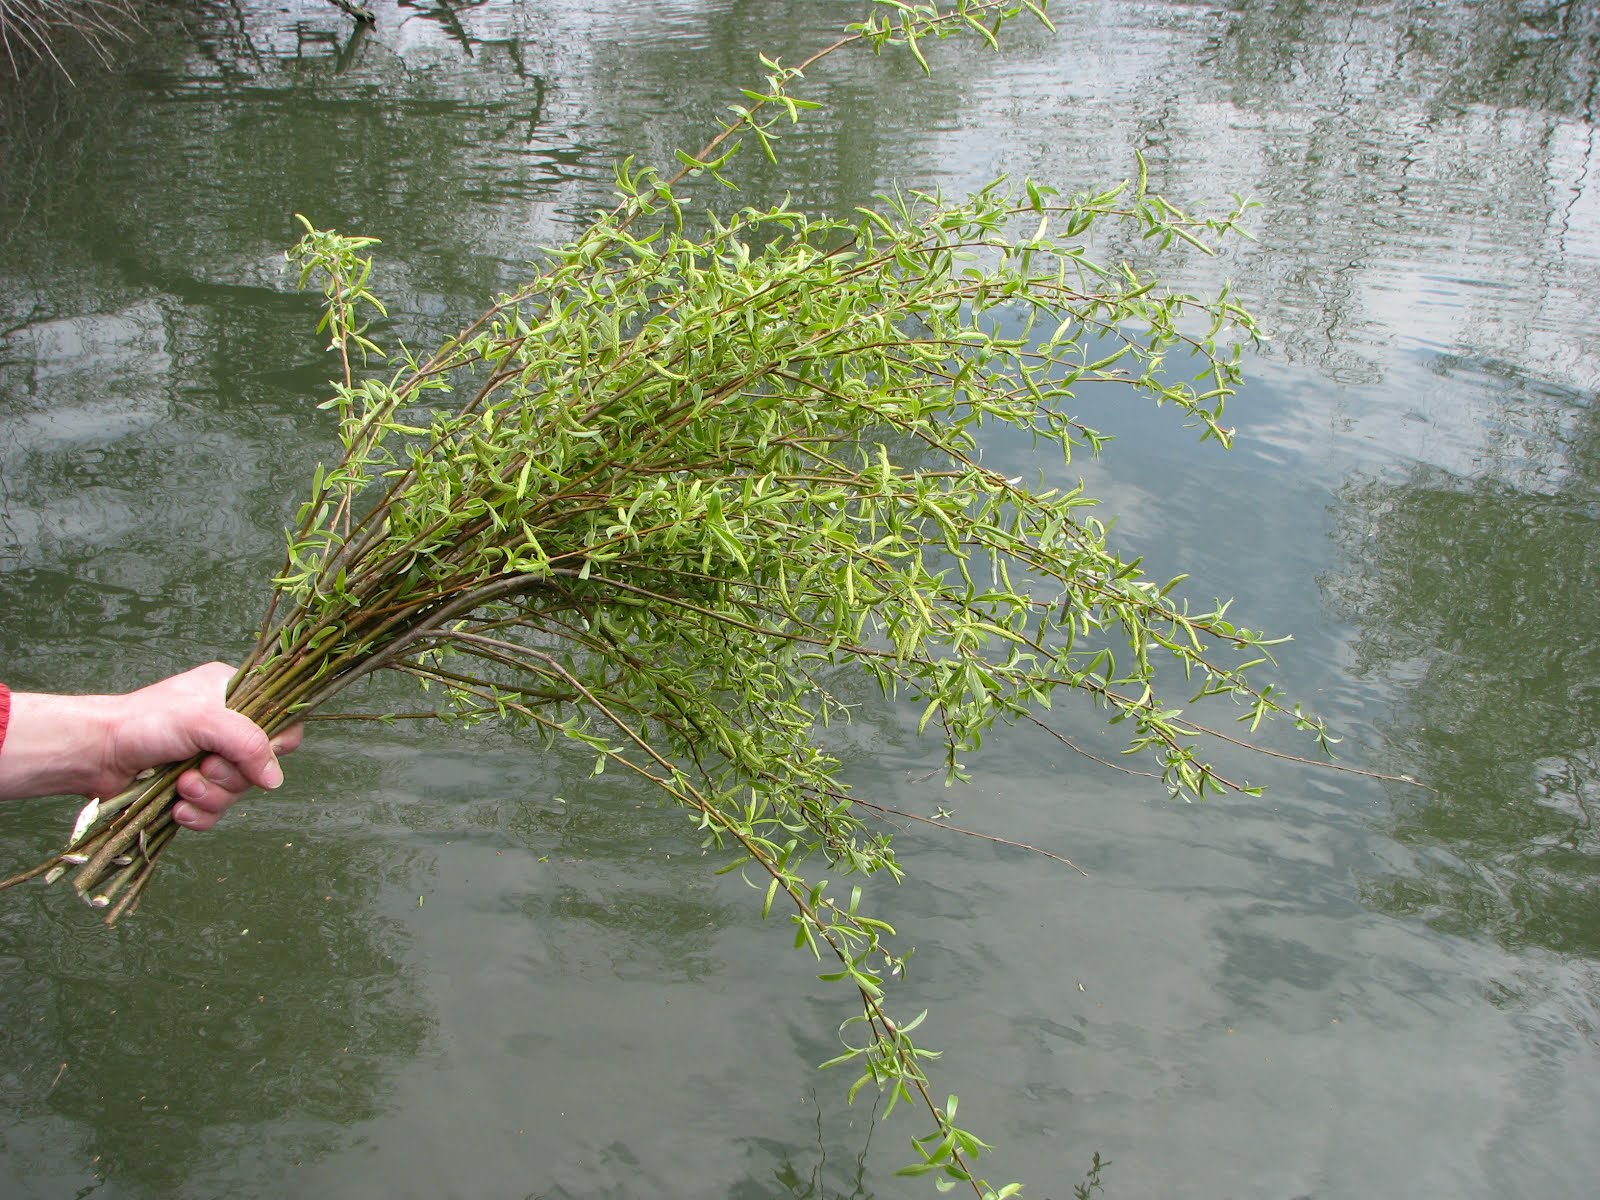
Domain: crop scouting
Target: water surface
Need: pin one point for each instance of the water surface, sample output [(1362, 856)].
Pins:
[(444, 964)]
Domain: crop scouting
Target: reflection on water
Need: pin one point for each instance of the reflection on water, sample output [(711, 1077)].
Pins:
[(1482, 594), (822, 1176), (471, 970), (1426, 172), (204, 1043)]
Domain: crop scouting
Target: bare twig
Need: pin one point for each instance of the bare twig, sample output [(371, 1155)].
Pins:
[(987, 837)]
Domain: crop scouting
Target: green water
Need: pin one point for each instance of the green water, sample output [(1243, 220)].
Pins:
[(441, 964)]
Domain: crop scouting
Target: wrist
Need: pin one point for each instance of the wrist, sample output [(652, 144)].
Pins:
[(56, 745)]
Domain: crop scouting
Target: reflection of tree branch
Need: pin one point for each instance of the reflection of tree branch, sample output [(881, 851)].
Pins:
[(244, 35), (447, 18), (347, 52), (818, 1187), (363, 16), (1477, 596)]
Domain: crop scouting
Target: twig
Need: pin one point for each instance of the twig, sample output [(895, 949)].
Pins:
[(988, 837), (1295, 758), (1077, 749)]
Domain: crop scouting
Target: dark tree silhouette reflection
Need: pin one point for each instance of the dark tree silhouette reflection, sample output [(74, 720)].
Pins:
[(1483, 595), (252, 1016)]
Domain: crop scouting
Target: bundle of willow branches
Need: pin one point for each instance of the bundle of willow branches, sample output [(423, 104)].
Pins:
[(659, 498)]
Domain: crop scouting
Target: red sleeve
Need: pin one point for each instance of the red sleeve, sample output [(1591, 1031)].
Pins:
[(5, 712)]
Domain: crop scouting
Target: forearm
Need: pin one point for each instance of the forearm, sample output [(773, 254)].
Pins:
[(97, 745), (55, 745)]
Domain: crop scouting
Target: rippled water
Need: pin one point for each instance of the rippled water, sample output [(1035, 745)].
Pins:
[(439, 964)]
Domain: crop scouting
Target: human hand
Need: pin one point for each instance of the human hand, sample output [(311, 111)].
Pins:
[(96, 745), (184, 716)]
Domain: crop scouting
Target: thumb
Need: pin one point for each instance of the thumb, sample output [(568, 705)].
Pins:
[(245, 744)]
